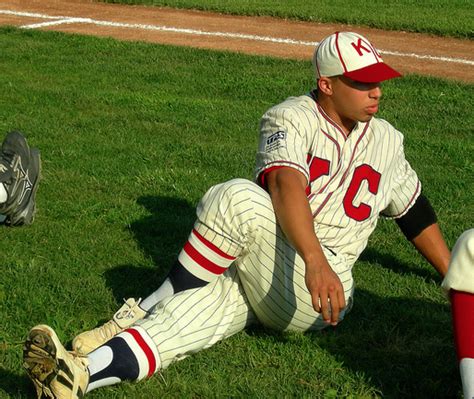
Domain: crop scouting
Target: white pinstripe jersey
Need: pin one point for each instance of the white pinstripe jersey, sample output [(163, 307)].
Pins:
[(351, 179)]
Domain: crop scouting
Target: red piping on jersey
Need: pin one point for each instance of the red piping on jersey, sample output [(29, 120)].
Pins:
[(211, 246), (338, 161), (202, 261), (146, 350), (338, 147), (328, 118), (411, 200), (261, 177), (344, 176), (333, 140), (322, 205)]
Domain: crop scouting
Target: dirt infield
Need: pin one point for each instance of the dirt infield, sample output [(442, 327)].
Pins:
[(408, 52)]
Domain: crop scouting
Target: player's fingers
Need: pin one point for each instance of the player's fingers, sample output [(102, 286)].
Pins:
[(342, 298), (325, 306), (335, 306), (316, 302)]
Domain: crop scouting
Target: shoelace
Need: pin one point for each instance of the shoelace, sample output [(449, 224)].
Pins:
[(80, 358), (111, 328)]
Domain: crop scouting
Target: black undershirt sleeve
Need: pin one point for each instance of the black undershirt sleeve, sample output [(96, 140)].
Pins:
[(419, 217)]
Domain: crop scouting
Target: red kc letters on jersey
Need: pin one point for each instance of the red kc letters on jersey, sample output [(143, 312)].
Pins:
[(320, 167), (362, 172)]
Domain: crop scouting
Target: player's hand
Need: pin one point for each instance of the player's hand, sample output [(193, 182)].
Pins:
[(326, 291)]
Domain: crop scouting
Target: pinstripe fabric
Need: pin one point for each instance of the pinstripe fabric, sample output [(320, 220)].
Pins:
[(460, 275), (363, 174), (297, 131), (265, 283), (196, 319), (267, 277), (270, 270)]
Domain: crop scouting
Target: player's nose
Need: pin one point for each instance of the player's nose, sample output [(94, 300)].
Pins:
[(375, 92)]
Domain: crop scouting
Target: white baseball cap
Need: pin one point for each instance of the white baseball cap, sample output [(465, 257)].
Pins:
[(351, 55)]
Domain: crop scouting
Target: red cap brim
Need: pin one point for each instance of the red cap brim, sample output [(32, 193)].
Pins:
[(373, 73)]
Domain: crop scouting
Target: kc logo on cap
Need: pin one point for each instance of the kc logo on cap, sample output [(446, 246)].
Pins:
[(351, 55)]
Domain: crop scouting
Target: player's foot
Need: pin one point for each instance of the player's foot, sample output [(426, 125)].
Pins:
[(55, 372), (124, 318), (20, 174)]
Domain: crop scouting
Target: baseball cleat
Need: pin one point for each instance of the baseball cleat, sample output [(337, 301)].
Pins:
[(20, 174), (55, 372), (124, 318)]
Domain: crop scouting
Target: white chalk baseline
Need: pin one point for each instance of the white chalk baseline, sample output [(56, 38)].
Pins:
[(59, 20)]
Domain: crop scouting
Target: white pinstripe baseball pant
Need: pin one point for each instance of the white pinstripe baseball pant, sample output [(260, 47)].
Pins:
[(264, 283), (460, 275)]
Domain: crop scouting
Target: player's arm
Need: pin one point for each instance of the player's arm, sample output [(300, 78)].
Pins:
[(419, 225), (287, 190)]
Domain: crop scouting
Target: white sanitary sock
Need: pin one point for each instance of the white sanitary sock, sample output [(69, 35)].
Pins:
[(466, 369), (165, 290)]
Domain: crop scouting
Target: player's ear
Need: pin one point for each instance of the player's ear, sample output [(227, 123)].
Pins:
[(325, 85)]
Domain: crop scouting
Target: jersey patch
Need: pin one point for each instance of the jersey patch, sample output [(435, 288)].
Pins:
[(275, 141)]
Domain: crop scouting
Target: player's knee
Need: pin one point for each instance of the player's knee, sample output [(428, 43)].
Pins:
[(227, 196), (460, 274), (465, 244), (463, 251), (235, 187)]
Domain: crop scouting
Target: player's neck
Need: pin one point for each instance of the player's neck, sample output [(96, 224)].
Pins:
[(345, 124)]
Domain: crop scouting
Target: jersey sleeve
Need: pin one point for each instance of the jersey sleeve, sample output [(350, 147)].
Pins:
[(406, 188), (282, 142)]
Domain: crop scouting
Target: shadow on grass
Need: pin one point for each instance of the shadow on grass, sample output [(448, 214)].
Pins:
[(16, 386), (390, 262), (161, 236), (403, 346)]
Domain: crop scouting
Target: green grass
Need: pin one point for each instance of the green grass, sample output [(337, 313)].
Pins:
[(132, 135), (438, 17)]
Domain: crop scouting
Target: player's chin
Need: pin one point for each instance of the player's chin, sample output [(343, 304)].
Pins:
[(366, 117), (371, 111)]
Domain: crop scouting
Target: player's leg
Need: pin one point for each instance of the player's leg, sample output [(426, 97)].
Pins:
[(127, 315), (199, 262), (460, 281), (236, 223), (277, 291), (19, 179), (235, 220), (271, 271), (179, 326), (202, 259)]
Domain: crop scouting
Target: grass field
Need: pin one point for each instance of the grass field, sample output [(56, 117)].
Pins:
[(439, 17), (132, 135)]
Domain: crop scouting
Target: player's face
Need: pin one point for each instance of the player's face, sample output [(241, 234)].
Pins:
[(354, 101)]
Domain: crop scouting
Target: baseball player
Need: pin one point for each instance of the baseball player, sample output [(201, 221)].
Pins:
[(19, 179), (459, 282), (277, 251)]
